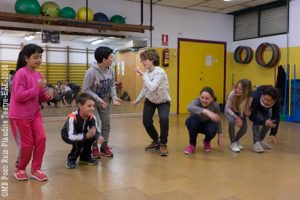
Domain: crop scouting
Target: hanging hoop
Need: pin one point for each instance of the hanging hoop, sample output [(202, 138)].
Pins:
[(239, 52), (260, 53)]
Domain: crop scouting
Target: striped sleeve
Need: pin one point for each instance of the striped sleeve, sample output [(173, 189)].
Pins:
[(94, 123), (72, 135)]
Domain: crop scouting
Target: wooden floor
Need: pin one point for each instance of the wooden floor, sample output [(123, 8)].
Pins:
[(133, 174)]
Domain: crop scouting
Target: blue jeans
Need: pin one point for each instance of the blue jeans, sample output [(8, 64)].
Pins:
[(195, 125), (163, 113)]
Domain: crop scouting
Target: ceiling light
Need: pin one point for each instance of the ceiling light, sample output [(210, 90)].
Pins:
[(29, 37), (226, 0), (97, 41)]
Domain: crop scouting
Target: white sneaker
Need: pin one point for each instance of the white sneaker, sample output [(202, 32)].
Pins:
[(257, 147), (239, 145), (234, 147), (265, 145)]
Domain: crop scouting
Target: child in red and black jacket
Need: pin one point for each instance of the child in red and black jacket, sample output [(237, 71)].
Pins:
[(81, 131)]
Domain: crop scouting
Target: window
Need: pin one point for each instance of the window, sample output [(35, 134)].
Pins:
[(261, 22), (246, 26), (274, 21)]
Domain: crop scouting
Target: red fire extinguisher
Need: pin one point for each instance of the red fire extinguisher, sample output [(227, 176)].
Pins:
[(165, 57)]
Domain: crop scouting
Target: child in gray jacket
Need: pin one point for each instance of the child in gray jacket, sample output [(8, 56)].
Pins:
[(99, 82)]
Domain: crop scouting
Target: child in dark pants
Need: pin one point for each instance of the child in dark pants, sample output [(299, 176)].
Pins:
[(156, 93), (81, 131), (204, 118)]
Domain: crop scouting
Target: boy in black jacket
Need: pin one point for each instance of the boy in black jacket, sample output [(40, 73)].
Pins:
[(264, 115), (81, 131)]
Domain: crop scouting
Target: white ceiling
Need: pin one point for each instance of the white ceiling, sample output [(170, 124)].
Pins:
[(219, 6)]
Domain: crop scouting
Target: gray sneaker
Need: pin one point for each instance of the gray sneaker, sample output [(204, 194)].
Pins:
[(257, 147), (265, 145)]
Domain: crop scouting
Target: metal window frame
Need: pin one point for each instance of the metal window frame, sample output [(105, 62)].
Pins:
[(259, 9)]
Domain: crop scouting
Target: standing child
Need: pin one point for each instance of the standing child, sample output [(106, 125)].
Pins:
[(264, 115), (236, 110), (81, 131), (99, 82), (156, 92), (28, 91), (204, 118)]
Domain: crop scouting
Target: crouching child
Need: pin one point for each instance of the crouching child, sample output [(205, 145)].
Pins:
[(81, 130)]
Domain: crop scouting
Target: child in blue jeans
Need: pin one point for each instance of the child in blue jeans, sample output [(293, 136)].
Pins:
[(204, 118), (81, 131)]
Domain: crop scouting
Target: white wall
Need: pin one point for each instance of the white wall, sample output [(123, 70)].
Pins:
[(294, 18), (179, 23), (279, 40)]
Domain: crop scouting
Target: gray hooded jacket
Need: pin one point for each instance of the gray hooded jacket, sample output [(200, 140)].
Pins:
[(99, 83)]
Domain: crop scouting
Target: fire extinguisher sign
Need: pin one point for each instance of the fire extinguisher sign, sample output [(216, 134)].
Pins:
[(164, 40)]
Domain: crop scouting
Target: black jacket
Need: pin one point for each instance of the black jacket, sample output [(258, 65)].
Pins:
[(76, 128), (257, 107), (280, 83)]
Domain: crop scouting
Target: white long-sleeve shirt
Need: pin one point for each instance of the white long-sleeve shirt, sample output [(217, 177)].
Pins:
[(156, 86)]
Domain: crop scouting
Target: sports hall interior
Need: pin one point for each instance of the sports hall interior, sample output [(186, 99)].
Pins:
[(201, 38)]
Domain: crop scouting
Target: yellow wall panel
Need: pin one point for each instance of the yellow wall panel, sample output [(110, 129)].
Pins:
[(261, 75), (77, 72)]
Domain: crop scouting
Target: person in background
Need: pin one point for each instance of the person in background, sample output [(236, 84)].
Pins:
[(204, 118), (156, 93), (66, 94), (10, 77), (56, 96)]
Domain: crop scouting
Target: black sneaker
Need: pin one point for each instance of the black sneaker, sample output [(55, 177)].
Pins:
[(70, 164), (90, 161), (153, 146)]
